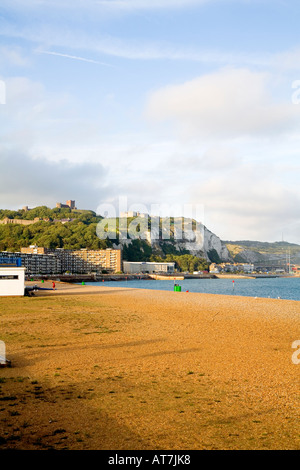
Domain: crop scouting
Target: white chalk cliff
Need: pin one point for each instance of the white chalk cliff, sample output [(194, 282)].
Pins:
[(198, 241)]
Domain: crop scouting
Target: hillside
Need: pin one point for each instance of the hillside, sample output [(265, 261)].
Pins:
[(254, 251), (50, 232), (44, 212), (76, 229)]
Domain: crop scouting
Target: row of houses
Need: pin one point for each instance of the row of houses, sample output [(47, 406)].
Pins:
[(231, 268)]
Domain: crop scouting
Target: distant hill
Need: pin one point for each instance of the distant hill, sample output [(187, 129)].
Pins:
[(255, 251)]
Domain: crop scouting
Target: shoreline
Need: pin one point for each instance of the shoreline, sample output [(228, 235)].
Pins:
[(233, 276), (69, 288)]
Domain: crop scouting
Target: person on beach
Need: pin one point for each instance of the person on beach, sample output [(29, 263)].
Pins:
[(53, 285)]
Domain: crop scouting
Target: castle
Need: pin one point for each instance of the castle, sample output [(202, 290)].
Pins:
[(69, 204), (7, 221)]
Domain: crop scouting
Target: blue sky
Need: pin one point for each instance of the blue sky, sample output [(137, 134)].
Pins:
[(163, 102)]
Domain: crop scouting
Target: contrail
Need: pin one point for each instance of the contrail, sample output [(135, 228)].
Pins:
[(74, 57)]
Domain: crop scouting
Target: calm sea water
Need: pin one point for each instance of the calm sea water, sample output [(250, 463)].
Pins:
[(285, 288)]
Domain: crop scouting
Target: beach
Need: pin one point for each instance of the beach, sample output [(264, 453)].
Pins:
[(96, 367)]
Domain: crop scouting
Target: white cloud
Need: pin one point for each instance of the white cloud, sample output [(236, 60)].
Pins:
[(36, 182), (249, 202), (212, 160), (34, 116), (31, 109), (288, 60), (13, 55), (22, 90), (227, 103)]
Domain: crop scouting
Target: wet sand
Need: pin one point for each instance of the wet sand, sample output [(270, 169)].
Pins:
[(119, 368)]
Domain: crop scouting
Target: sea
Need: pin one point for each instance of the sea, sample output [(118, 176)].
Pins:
[(274, 288)]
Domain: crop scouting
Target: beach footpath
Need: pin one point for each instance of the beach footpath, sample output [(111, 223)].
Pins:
[(97, 367)]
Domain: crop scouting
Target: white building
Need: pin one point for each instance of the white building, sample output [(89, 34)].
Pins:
[(131, 267), (247, 268), (214, 268), (12, 281), (129, 214), (133, 214)]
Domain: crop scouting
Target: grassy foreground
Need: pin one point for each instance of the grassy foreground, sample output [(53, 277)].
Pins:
[(135, 369)]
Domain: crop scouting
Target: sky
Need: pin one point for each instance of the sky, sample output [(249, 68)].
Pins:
[(171, 103)]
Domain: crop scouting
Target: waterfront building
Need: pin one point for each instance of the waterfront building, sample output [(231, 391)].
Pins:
[(44, 261), (214, 268), (90, 261), (37, 261), (40, 260), (246, 268), (141, 267), (12, 277), (34, 250)]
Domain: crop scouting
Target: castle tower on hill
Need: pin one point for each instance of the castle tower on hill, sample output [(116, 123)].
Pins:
[(69, 204)]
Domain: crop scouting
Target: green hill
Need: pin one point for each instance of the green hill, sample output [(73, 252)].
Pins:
[(80, 233), (44, 212)]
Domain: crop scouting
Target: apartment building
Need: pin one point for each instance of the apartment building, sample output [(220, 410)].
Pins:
[(40, 260), (87, 261), (36, 263), (34, 250)]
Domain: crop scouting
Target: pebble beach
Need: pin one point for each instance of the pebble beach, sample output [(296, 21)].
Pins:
[(96, 367)]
